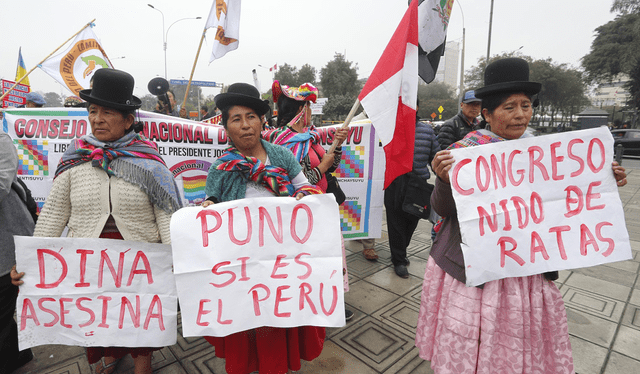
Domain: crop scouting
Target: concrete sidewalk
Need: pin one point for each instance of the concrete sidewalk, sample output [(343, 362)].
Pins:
[(603, 308)]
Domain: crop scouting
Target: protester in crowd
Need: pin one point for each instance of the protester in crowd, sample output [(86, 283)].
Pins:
[(74, 102), (128, 195), (34, 100), (400, 224), (15, 219), (456, 328), (369, 249), (461, 124), (295, 131), (167, 107), (204, 113), (252, 167)]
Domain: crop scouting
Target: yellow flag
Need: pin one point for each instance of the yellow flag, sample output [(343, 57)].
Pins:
[(21, 71)]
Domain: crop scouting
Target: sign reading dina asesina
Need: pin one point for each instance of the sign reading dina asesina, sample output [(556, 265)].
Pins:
[(95, 292), (538, 204)]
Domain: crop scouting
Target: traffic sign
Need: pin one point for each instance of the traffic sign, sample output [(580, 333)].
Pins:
[(184, 82), (440, 109)]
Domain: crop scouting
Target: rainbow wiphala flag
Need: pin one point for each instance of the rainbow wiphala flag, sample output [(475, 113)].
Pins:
[(32, 157), (350, 215), (194, 188), (352, 165)]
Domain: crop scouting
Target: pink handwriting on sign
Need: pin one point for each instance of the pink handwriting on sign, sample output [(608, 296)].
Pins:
[(500, 168), (276, 273), (509, 245), (275, 228), (54, 311), (139, 266)]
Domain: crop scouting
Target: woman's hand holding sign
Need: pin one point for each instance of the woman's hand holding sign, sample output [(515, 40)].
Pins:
[(442, 163)]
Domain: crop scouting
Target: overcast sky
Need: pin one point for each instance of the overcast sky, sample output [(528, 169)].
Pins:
[(281, 31)]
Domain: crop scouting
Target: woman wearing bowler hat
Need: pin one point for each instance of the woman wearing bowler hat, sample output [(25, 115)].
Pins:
[(253, 167), (510, 325), (111, 184)]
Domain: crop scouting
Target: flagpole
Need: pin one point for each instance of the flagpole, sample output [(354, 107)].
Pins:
[(45, 59), (352, 113), (186, 94)]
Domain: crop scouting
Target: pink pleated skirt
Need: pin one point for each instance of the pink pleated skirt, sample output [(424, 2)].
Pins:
[(511, 326)]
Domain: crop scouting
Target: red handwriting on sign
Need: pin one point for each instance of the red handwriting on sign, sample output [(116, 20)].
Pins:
[(523, 211), (56, 311), (275, 228), (261, 293), (499, 168), (274, 273), (140, 259), (508, 245)]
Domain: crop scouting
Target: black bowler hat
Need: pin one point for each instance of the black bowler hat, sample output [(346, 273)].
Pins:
[(242, 94), (507, 75), (113, 89)]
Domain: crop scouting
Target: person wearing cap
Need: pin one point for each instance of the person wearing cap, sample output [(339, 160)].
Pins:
[(252, 167), (74, 102), (510, 325), (34, 100), (461, 124), (131, 196)]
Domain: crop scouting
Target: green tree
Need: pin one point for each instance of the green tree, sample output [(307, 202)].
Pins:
[(287, 75), (339, 83), (434, 95), (306, 74), (625, 6), (563, 88), (149, 102), (616, 49), (52, 99)]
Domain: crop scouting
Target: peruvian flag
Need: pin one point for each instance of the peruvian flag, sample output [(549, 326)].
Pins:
[(274, 67), (390, 94)]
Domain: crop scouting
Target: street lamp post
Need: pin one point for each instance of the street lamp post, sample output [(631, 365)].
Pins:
[(489, 38), (164, 42), (166, 38), (462, 57), (166, 34)]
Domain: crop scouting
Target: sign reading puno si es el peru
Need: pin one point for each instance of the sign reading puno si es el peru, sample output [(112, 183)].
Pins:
[(95, 292), (540, 204), (247, 263)]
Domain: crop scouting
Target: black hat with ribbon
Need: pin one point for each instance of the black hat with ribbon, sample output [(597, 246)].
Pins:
[(507, 75), (242, 94), (113, 89)]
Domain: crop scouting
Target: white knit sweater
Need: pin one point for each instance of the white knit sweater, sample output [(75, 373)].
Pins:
[(82, 199)]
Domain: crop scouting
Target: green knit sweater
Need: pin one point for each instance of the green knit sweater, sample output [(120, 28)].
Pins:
[(232, 185)]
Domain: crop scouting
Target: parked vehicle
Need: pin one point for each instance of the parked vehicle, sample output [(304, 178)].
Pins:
[(630, 140)]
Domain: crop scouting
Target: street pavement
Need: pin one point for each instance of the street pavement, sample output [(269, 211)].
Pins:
[(602, 303)]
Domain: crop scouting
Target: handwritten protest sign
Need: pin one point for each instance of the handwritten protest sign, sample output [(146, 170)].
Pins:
[(538, 204), (248, 263), (95, 292)]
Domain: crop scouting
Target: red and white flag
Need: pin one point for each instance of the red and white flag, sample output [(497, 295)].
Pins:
[(390, 94), (274, 67), (224, 17)]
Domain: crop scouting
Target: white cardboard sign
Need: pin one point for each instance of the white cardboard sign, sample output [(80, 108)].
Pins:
[(248, 263), (538, 204), (95, 292)]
